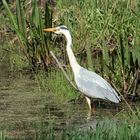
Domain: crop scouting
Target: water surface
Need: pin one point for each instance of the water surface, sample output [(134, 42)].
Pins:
[(25, 109)]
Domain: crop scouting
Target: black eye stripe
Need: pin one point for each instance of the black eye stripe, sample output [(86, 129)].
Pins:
[(63, 27)]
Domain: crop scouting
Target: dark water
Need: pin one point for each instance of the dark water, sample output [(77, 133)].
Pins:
[(25, 109)]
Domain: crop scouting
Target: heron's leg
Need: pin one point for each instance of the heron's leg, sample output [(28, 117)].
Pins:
[(89, 102)]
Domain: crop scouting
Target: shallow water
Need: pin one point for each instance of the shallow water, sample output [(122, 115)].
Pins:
[(25, 109)]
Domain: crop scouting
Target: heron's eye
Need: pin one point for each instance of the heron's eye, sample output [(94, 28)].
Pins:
[(58, 29)]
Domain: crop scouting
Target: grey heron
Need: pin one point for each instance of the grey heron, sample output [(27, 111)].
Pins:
[(89, 83)]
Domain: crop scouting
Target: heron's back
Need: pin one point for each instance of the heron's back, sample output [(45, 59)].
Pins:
[(93, 85)]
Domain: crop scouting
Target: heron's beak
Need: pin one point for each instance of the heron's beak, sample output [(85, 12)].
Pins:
[(50, 30)]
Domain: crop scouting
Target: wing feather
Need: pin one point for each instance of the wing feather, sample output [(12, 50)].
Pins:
[(93, 85)]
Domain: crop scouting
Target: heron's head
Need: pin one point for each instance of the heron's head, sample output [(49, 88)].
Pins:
[(61, 30), (58, 30)]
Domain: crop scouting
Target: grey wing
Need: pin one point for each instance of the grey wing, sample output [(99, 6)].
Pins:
[(93, 85)]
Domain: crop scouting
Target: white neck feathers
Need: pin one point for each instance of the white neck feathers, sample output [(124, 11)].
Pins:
[(75, 66)]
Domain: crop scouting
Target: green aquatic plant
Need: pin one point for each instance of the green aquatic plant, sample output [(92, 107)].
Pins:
[(56, 83), (105, 130), (26, 21), (105, 38)]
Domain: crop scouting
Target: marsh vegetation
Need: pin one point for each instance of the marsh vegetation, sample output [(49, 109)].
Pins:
[(105, 39)]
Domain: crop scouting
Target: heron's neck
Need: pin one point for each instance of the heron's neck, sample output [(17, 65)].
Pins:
[(72, 59)]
